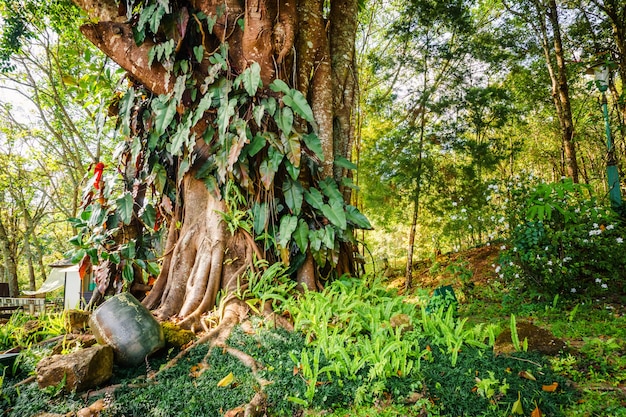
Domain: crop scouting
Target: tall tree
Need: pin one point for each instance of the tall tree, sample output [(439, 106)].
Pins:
[(222, 147), (543, 18)]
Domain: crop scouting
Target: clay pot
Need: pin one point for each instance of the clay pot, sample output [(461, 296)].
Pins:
[(123, 323)]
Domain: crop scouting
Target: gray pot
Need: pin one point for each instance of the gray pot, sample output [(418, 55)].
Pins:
[(123, 323)]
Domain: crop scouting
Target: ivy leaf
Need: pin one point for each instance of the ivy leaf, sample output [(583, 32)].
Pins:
[(180, 138), (315, 239), (298, 103), (128, 251), (294, 194), (342, 162), (301, 236), (284, 120), (279, 86), (313, 143), (198, 52), (354, 216), (159, 177), (294, 172), (292, 148), (251, 78), (163, 110), (258, 112), (270, 166), (126, 105), (335, 214), (270, 104), (224, 113), (329, 237), (203, 105), (257, 143), (314, 198), (259, 214), (330, 189), (127, 272), (125, 207), (288, 225), (148, 216)]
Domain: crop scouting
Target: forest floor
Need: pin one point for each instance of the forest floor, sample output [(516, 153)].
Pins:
[(591, 370)]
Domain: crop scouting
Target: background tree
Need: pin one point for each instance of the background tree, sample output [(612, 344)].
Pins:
[(53, 122)]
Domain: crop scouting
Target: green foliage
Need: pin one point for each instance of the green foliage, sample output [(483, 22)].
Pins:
[(23, 330), (567, 242)]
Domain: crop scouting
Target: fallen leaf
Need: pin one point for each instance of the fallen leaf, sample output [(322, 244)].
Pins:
[(536, 412), (527, 375), (517, 405), (550, 388), (226, 381), (296, 369)]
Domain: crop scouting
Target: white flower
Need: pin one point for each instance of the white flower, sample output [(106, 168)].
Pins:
[(619, 240), (488, 244), (598, 280), (497, 269), (573, 290), (469, 226), (550, 262), (463, 210), (595, 225), (454, 203), (503, 247), (604, 286), (516, 275), (511, 264), (514, 248), (610, 227)]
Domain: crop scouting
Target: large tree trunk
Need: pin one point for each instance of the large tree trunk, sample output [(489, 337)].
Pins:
[(289, 40)]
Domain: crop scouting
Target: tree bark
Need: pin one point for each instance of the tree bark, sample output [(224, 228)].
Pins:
[(289, 40)]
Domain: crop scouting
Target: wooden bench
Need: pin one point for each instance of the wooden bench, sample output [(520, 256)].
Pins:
[(7, 311)]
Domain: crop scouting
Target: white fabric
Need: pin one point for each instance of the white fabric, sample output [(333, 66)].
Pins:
[(55, 280)]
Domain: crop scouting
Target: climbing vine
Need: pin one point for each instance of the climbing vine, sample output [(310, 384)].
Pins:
[(255, 146)]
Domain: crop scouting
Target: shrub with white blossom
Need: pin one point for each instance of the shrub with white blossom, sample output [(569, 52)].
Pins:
[(566, 242)]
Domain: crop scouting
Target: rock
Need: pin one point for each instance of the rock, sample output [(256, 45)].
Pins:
[(539, 340), (76, 321), (74, 342), (83, 369)]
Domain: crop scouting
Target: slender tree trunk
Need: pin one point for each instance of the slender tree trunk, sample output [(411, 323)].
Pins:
[(561, 94), (9, 262), (416, 200)]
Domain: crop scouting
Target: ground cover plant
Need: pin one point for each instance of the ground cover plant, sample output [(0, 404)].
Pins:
[(355, 344)]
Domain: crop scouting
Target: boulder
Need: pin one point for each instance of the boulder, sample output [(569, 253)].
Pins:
[(539, 340), (82, 370)]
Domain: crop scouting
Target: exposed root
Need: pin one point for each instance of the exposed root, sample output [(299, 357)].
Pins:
[(255, 408)]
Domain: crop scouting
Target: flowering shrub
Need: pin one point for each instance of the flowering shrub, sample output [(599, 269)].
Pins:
[(566, 242)]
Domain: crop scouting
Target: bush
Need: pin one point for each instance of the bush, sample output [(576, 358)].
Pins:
[(566, 242)]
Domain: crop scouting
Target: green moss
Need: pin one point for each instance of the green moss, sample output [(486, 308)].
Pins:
[(175, 336)]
